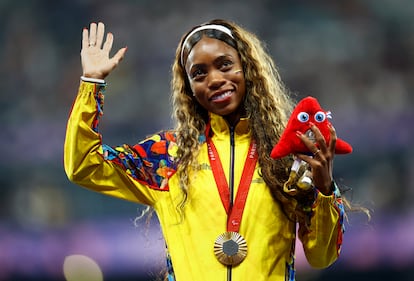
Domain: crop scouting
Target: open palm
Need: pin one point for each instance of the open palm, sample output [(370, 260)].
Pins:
[(96, 62)]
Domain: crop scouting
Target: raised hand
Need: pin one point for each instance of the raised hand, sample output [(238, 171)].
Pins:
[(96, 62)]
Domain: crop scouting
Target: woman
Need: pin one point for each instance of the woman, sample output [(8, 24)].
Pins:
[(216, 191)]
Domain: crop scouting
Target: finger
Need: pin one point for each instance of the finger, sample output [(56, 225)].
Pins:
[(307, 142), (92, 34), (119, 56), (308, 159), (85, 38), (108, 42), (320, 140), (333, 137), (100, 34)]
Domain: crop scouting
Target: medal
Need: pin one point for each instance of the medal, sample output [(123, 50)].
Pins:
[(230, 248)]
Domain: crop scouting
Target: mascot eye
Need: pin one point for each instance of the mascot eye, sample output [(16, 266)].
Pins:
[(320, 116), (303, 117)]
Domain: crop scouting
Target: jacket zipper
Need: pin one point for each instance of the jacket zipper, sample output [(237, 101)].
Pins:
[(231, 172), (231, 186)]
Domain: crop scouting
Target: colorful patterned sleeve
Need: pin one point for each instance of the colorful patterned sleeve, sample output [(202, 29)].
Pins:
[(150, 162), (136, 173), (323, 240)]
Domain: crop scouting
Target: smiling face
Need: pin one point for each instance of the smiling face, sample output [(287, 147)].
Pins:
[(216, 78)]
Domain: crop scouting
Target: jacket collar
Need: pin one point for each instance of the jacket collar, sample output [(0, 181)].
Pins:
[(219, 127)]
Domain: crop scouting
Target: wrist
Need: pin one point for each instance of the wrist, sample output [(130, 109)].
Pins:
[(328, 191), (92, 80)]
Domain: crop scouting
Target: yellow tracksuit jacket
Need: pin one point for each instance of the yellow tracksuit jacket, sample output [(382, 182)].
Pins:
[(145, 173)]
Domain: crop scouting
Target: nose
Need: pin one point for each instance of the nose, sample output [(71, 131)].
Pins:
[(215, 79)]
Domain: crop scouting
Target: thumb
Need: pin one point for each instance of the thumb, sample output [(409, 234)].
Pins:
[(119, 56)]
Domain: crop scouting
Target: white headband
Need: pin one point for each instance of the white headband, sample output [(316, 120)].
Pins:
[(203, 27)]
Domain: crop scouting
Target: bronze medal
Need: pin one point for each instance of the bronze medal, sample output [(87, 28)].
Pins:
[(230, 248)]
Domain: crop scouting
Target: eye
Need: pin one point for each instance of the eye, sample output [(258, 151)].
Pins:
[(303, 117), (224, 62), (227, 63), (197, 74), (320, 116)]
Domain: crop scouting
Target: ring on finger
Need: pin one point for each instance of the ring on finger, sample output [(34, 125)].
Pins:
[(316, 152), (91, 44)]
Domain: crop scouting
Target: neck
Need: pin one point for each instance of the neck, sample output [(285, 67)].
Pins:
[(234, 117)]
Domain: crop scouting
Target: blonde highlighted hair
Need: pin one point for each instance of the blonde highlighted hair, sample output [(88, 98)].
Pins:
[(267, 104)]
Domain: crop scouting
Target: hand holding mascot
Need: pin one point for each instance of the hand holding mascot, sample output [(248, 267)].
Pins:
[(306, 112)]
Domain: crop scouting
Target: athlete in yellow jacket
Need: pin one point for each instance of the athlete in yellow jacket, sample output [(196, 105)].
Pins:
[(148, 173)]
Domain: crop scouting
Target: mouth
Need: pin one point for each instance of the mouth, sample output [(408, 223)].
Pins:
[(221, 96)]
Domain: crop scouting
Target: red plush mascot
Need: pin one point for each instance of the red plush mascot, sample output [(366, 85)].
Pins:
[(306, 111)]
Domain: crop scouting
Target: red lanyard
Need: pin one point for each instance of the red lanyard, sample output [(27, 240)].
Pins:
[(234, 212)]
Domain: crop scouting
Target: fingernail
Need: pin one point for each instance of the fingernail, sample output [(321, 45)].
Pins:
[(298, 133), (311, 124)]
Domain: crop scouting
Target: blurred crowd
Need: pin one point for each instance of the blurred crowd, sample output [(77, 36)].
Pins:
[(356, 57)]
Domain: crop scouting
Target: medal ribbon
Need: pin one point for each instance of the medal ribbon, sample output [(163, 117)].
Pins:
[(234, 212)]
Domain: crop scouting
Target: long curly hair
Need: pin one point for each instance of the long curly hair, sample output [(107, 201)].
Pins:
[(267, 103)]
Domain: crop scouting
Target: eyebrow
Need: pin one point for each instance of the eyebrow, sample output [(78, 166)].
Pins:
[(221, 57)]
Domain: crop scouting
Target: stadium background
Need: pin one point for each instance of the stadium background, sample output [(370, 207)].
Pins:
[(356, 57)]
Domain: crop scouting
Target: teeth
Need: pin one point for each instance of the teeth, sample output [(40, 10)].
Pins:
[(222, 96)]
